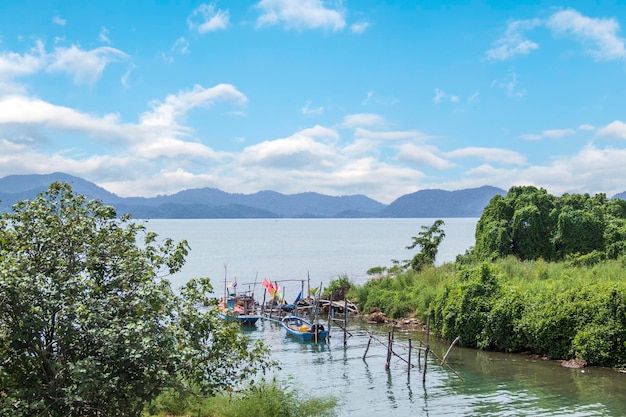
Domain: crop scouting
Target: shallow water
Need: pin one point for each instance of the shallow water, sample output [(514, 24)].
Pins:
[(492, 384), (487, 384)]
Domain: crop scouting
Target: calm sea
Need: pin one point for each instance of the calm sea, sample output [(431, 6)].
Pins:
[(479, 383), (297, 249)]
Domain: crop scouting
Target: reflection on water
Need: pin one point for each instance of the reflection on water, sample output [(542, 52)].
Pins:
[(493, 384)]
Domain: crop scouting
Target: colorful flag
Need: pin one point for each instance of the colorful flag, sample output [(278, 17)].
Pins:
[(233, 284), (265, 284)]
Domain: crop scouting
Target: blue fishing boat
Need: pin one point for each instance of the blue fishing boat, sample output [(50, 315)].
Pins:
[(304, 329)]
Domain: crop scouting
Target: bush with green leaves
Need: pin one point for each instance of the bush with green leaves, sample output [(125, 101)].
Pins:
[(338, 289), (558, 310), (264, 399), (89, 325), (531, 224)]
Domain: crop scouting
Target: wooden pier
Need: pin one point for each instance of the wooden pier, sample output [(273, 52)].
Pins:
[(409, 347)]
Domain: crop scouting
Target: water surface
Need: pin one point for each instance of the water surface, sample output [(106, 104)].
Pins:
[(491, 384)]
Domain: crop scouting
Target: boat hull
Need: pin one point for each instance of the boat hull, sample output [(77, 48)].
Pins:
[(242, 320), (295, 327)]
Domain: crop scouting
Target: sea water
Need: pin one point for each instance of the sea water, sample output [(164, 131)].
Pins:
[(472, 383)]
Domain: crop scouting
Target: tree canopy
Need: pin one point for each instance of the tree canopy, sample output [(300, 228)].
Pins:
[(89, 324), (428, 240), (530, 224)]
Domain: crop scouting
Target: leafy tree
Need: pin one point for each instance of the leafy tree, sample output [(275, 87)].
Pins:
[(531, 224), (428, 240), (89, 325), (493, 230)]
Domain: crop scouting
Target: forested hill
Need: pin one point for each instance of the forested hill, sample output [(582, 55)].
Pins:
[(213, 203)]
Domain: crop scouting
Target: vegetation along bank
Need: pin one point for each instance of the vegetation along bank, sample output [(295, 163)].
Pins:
[(547, 276)]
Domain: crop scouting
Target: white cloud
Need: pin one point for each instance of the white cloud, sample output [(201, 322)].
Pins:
[(362, 119), (549, 134), (207, 18), (125, 80), (58, 20), (85, 66), (513, 43), (14, 65), (439, 95), (423, 156), (497, 155), (510, 85), (104, 36), (359, 27), (311, 147), (300, 15), (175, 107), (557, 133), (181, 46), (442, 95), (598, 35), (307, 109), (531, 136), (22, 110), (586, 127), (390, 135), (616, 129)]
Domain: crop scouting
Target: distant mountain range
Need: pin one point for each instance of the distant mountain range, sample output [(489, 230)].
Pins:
[(213, 203)]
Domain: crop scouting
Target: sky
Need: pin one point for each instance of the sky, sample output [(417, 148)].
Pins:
[(380, 98)]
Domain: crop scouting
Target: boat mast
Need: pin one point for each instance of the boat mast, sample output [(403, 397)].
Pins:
[(225, 284)]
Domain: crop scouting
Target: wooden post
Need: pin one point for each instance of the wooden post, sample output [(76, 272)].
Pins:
[(263, 307), (426, 350), (389, 350), (331, 312), (410, 350), (345, 323), (454, 342), (419, 354), (369, 341)]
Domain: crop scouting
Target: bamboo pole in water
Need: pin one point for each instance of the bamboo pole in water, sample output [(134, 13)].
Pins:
[(345, 322), (331, 312), (389, 350), (410, 350), (369, 341), (427, 349), (419, 354), (454, 342)]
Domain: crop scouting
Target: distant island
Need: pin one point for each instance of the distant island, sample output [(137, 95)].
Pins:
[(211, 203)]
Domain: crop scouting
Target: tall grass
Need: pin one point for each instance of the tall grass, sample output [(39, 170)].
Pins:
[(564, 310), (267, 399)]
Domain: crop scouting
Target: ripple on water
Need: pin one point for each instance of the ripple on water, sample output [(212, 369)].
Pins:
[(499, 385)]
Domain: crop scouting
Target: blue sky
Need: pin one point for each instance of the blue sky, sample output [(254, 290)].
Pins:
[(381, 98)]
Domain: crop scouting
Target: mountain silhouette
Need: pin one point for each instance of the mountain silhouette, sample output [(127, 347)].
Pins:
[(213, 203)]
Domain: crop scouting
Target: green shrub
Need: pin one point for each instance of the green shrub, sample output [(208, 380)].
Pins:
[(267, 399)]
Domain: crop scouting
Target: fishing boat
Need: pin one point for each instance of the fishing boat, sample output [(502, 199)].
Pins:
[(239, 307), (304, 329)]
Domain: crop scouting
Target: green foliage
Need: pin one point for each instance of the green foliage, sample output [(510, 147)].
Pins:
[(561, 311), (338, 289), (89, 325), (463, 308), (531, 224), (404, 294), (262, 400), (428, 240)]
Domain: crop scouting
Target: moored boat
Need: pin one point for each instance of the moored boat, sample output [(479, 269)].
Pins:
[(239, 307), (304, 329)]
